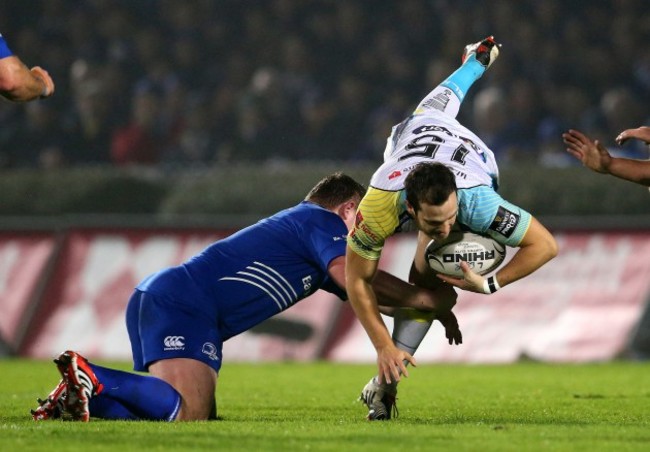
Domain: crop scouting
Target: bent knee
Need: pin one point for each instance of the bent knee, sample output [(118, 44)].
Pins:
[(195, 382)]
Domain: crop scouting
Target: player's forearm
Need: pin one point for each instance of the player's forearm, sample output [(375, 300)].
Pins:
[(390, 290), (359, 275), (527, 260), (364, 304), (637, 171), (26, 92), (19, 84), (536, 249), (394, 292)]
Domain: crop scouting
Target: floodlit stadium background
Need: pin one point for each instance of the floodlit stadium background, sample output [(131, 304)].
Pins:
[(175, 123)]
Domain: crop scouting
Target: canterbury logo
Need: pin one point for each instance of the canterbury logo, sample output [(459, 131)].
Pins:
[(174, 342)]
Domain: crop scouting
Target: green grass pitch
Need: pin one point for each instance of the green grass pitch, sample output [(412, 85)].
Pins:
[(313, 407)]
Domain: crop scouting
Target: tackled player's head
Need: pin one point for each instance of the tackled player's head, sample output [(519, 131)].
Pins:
[(334, 190), (431, 199), (430, 183)]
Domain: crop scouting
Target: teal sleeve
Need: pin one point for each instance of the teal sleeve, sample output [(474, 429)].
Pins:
[(484, 211)]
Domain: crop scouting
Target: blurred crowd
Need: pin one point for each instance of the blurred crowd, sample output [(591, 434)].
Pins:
[(198, 83)]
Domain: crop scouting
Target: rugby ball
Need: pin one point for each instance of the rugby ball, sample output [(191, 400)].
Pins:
[(482, 253)]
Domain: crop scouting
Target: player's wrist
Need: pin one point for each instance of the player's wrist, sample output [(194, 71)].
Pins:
[(490, 285)]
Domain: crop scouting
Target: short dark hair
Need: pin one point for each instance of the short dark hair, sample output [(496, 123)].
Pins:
[(334, 190), (429, 182)]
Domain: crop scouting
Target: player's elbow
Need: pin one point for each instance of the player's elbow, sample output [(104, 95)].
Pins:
[(544, 244), (551, 248)]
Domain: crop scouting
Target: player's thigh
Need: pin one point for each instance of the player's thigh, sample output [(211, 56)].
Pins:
[(189, 359), (195, 381), (162, 328)]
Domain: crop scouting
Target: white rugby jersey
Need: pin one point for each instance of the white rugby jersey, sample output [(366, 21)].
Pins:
[(431, 135), (435, 136)]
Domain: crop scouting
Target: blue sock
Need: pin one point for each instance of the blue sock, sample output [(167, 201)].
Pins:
[(132, 396), (104, 407), (461, 80)]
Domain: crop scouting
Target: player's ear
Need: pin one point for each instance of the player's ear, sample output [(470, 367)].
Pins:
[(409, 208), (347, 211), (348, 208)]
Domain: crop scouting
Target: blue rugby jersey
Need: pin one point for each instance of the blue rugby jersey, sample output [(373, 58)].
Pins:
[(4, 49), (259, 271)]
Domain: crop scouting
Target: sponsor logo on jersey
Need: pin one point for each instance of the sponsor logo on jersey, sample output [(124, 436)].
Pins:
[(363, 227), (505, 222), (394, 174), (359, 218), (358, 242), (306, 284), (360, 226), (410, 168), (174, 343), (433, 128), (210, 350)]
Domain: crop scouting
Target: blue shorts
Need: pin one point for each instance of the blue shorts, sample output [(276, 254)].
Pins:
[(160, 328)]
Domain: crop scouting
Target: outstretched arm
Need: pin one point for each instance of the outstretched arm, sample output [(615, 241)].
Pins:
[(360, 273), (20, 84), (594, 156), (640, 133), (393, 292)]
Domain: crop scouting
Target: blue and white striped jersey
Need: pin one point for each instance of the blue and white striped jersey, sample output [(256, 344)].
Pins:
[(259, 271)]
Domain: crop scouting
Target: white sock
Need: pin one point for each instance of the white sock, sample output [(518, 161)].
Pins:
[(410, 328)]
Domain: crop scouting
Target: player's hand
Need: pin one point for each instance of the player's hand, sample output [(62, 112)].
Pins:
[(391, 363), (640, 133), (452, 331), (470, 281), (42, 74), (592, 154)]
